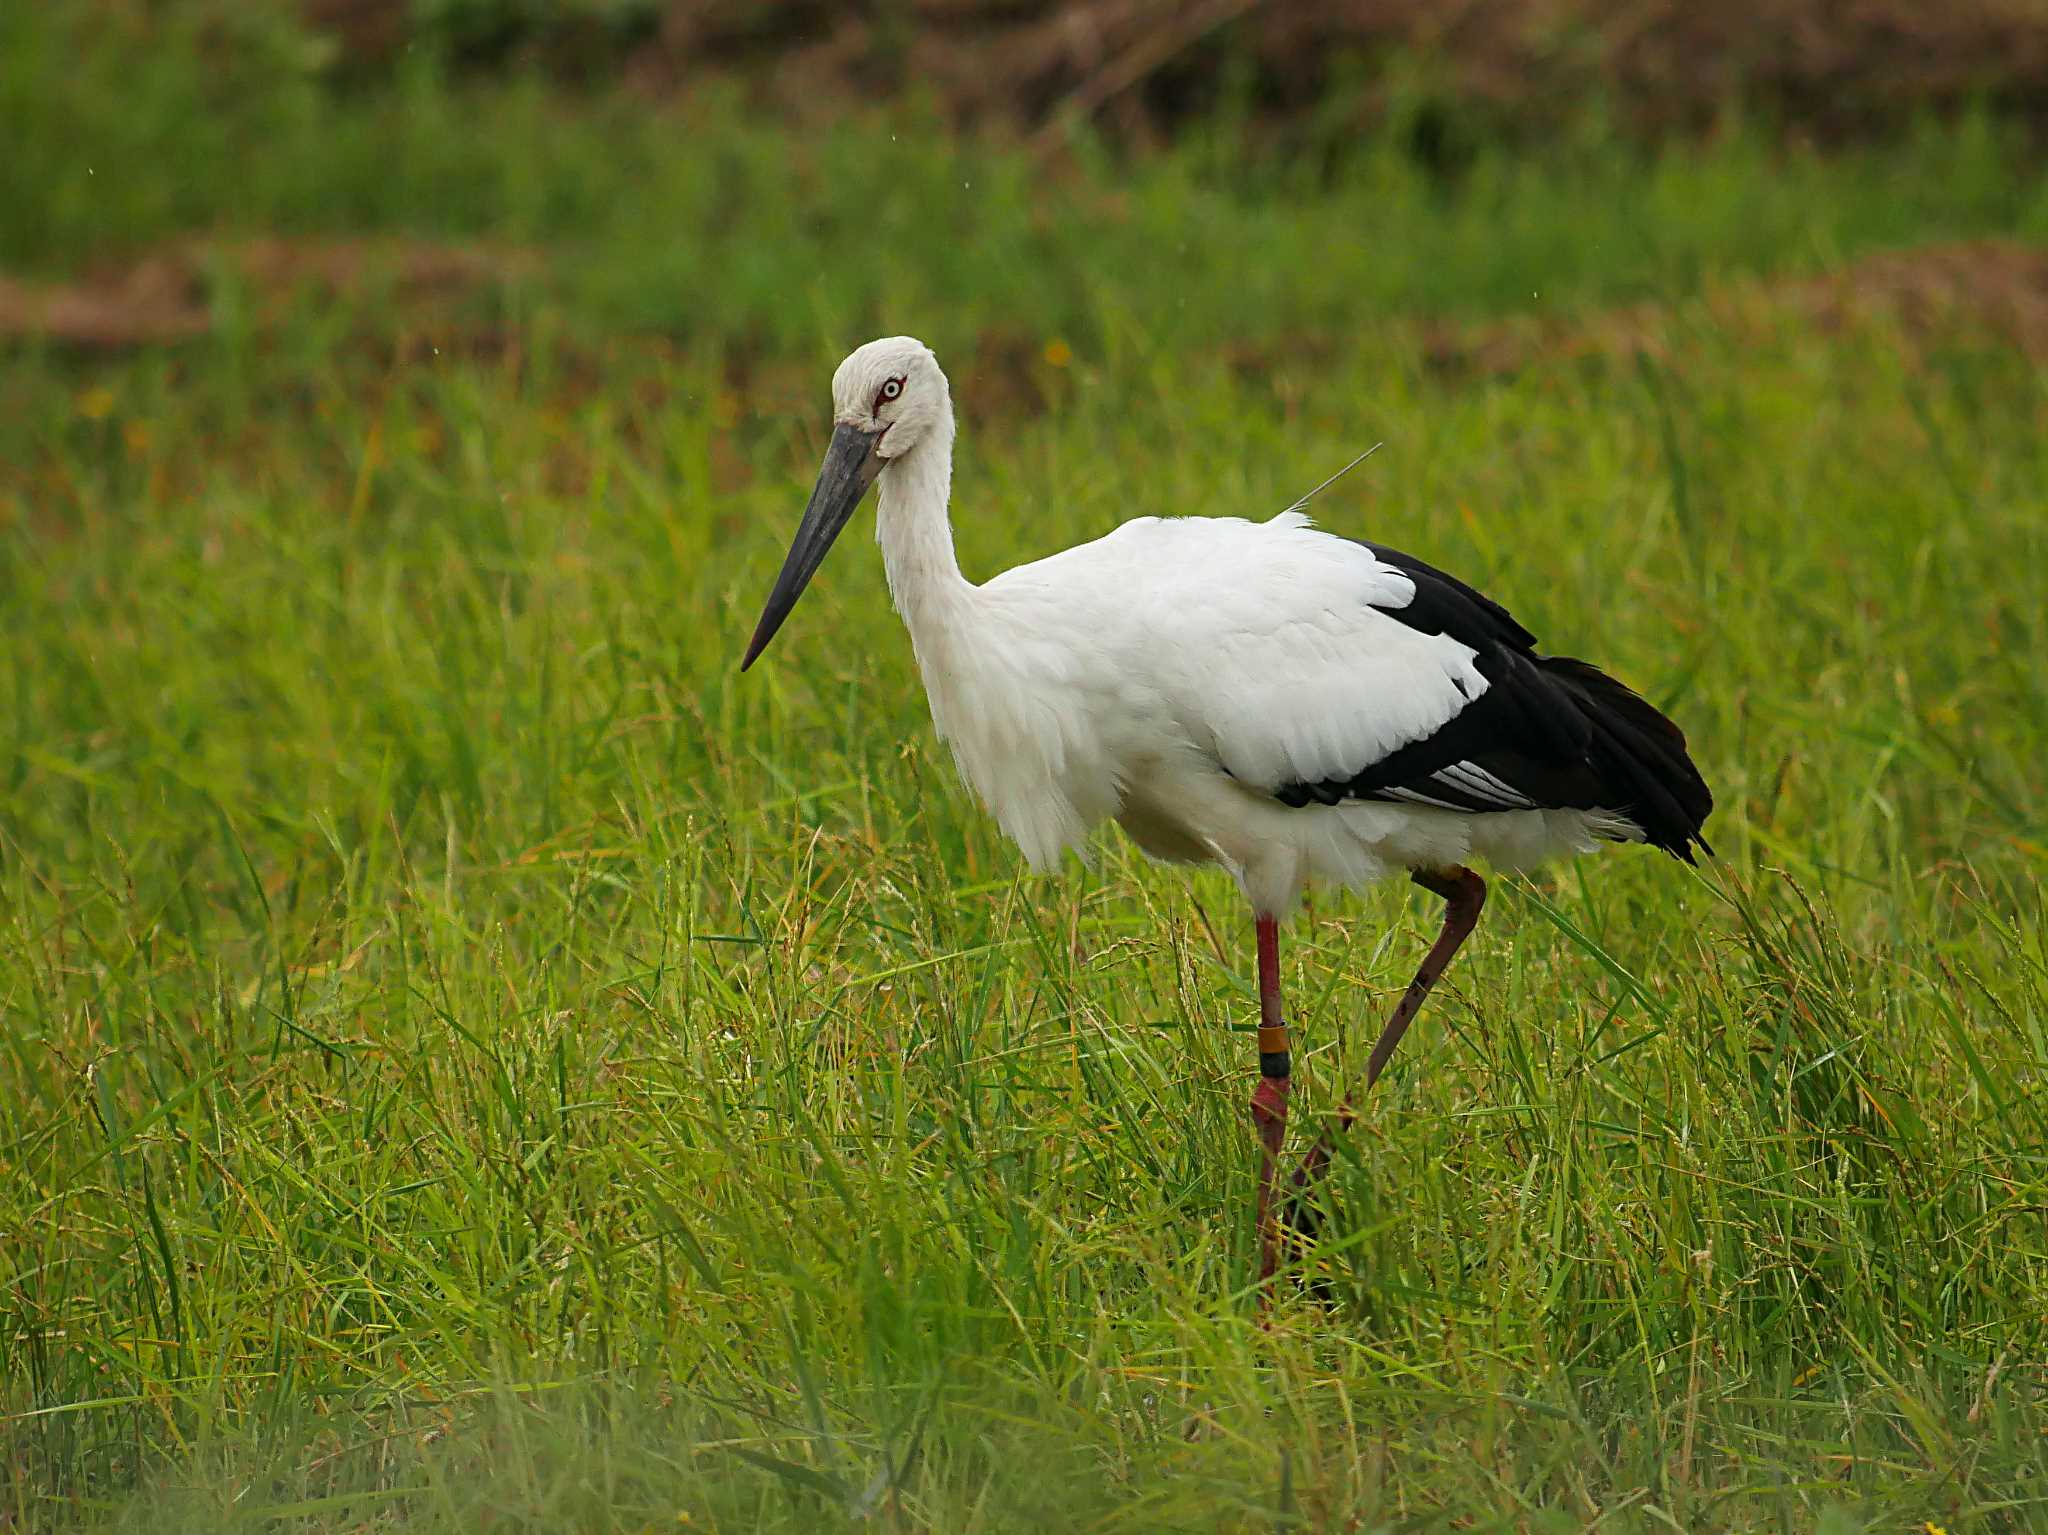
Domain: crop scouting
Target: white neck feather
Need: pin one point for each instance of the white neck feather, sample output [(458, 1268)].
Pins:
[(968, 660), (917, 544)]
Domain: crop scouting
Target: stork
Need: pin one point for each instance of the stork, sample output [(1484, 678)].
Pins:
[(1296, 707)]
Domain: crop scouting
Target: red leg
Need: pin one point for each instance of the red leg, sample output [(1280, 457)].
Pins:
[(1269, 1098), (1464, 894)]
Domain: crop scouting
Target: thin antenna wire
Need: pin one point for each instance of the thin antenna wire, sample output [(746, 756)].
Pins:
[(1333, 479)]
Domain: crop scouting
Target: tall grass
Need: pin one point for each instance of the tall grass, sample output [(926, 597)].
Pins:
[(470, 1059), (429, 965)]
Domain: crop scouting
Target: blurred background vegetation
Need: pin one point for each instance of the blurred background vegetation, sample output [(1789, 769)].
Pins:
[(668, 153), (469, 1061)]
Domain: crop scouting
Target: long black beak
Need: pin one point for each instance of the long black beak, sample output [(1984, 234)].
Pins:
[(851, 464)]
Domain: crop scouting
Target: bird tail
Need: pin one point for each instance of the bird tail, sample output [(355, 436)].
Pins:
[(1641, 755)]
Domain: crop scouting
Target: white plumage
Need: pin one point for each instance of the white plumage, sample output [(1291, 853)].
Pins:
[(1173, 672), (1297, 707), (1169, 674)]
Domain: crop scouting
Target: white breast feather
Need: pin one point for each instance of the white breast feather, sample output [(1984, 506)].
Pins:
[(1020, 716), (1253, 644)]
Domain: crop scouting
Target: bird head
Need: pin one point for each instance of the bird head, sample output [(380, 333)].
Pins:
[(887, 398), (892, 391)]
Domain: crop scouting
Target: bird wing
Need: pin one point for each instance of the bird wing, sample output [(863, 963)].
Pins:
[(1319, 669), (1307, 660)]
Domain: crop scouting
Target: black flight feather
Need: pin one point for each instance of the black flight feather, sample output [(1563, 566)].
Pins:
[(1558, 733)]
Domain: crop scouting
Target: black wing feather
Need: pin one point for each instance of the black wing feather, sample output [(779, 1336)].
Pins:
[(1558, 733), (1445, 605)]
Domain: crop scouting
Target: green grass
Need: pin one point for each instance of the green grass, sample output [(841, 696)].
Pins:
[(128, 126), (472, 1060)]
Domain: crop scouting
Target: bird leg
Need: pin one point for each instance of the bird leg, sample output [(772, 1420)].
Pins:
[(1269, 1098), (1464, 893)]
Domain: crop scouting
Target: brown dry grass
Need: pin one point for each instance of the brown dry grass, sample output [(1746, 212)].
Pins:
[(168, 295), (1990, 291), (1994, 290)]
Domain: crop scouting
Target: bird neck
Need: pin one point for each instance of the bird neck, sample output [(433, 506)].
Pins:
[(917, 539)]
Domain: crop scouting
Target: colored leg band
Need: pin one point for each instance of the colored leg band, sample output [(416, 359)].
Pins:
[(1273, 1052)]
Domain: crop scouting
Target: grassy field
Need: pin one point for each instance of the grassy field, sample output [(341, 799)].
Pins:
[(471, 1060)]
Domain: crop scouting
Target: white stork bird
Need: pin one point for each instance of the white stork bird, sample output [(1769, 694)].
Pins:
[(1294, 706)]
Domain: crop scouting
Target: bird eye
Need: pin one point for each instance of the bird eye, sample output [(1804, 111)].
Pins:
[(890, 390)]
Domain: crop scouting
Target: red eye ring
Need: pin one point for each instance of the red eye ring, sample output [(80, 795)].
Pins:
[(888, 391)]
